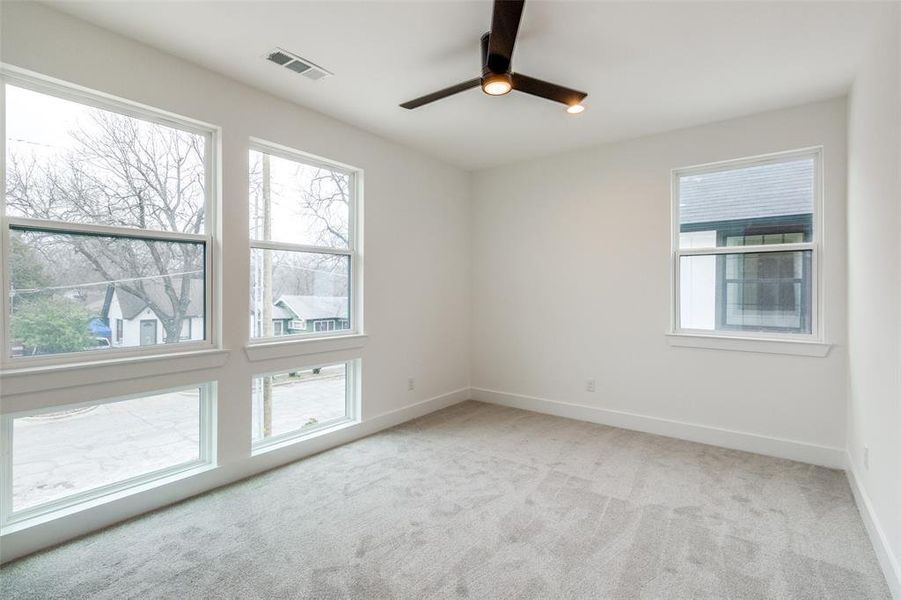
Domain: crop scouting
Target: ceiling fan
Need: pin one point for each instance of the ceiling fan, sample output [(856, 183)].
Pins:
[(497, 79)]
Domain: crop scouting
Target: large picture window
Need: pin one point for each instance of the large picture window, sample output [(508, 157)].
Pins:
[(107, 221), (303, 245), (61, 456), (745, 246)]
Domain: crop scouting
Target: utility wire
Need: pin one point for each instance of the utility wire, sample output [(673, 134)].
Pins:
[(83, 285)]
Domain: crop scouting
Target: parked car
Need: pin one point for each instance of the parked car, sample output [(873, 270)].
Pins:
[(101, 343)]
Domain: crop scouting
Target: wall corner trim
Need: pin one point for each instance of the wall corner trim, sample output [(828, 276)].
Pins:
[(891, 567)]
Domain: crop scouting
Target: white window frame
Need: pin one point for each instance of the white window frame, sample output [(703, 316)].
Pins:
[(351, 407), (817, 334), (211, 133), (206, 458), (355, 279)]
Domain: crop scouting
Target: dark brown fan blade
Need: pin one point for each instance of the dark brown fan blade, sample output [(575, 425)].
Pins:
[(450, 91), (551, 91), (504, 27)]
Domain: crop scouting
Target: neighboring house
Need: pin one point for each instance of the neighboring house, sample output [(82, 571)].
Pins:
[(747, 207), (133, 323), (300, 314)]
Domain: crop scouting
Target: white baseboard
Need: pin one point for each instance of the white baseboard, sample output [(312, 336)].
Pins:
[(19, 542), (419, 409), (826, 456), (891, 567)]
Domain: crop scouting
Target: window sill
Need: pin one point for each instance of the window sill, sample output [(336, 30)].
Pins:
[(25, 380), (300, 347), (748, 344), (292, 439), (148, 485)]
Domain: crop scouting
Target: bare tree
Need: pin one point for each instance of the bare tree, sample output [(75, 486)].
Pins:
[(127, 173)]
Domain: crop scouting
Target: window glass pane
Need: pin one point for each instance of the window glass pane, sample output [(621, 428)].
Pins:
[(298, 292), (71, 162), (68, 451), (299, 203), (767, 291), (299, 401), (74, 292), (759, 204)]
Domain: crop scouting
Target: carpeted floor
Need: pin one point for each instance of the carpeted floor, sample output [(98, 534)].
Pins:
[(480, 501)]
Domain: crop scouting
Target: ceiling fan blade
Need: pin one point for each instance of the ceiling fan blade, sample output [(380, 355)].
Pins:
[(544, 89), (449, 91), (504, 27)]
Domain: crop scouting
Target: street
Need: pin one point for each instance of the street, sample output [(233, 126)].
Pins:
[(58, 454)]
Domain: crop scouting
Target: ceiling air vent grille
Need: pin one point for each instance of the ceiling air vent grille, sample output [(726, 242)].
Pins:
[(299, 65)]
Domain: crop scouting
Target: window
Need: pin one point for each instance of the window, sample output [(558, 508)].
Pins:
[(296, 403), (303, 243), (107, 215), (65, 455), (745, 250), (330, 324)]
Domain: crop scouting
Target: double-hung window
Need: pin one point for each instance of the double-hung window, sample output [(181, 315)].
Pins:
[(745, 247), (291, 405), (57, 457), (303, 245), (106, 226)]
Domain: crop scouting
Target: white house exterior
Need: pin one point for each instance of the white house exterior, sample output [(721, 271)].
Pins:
[(133, 323)]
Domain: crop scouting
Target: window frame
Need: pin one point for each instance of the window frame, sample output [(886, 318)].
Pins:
[(353, 251), (814, 246), (100, 100), (206, 456), (351, 407)]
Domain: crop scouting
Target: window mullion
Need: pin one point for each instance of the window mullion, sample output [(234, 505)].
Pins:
[(291, 247), (710, 251)]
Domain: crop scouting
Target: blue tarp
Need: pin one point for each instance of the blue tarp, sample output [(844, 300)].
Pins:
[(99, 329)]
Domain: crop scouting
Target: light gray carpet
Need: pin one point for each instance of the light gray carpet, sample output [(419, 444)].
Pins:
[(480, 501)]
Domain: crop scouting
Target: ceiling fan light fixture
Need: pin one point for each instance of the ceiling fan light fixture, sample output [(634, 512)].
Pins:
[(497, 84), (497, 55)]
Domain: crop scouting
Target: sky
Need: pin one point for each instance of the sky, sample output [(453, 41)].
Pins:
[(38, 120)]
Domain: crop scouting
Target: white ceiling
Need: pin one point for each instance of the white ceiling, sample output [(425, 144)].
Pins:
[(647, 67)]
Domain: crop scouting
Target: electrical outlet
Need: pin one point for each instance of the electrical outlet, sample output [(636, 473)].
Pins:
[(866, 458), (411, 384), (590, 385)]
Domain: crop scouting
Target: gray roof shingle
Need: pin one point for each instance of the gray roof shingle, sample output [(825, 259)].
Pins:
[(753, 192), (315, 307)]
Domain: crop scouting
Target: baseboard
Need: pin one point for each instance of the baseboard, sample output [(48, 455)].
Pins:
[(54, 531), (891, 567), (414, 411), (826, 456)]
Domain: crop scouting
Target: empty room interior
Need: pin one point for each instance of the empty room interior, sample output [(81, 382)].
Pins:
[(450, 299)]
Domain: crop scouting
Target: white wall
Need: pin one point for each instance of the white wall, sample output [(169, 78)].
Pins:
[(874, 295), (416, 253), (571, 281)]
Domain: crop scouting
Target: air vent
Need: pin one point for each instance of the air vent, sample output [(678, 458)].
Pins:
[(299, 65), (279, 58)]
